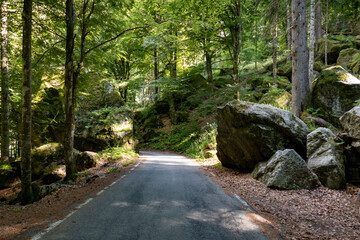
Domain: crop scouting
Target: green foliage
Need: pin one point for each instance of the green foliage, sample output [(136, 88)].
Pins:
[(357, 103), (116, 153), (198, 146), (127, 163), (5, 166), (315, 112)]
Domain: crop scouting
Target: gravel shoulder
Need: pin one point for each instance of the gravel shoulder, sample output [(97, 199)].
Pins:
[(298, 214)]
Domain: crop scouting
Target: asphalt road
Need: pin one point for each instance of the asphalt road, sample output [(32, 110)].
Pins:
[(166, 197)]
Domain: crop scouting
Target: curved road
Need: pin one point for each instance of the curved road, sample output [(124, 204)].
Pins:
[(167, 197)]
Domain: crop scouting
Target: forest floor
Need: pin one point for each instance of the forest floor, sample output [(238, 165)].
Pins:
[(321, 213), (303, 214), (16, 219)]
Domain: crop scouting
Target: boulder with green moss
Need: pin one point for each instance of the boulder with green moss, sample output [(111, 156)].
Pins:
[(348, 58), (249, 133), (334, 92), (103, 128), (334, 49), (85, 160), (278, 98)]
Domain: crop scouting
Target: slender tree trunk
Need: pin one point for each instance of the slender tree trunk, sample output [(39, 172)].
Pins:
[(288, 22), (275, 48), (312, 42), (26, 189), (156, 73), (300, 56), (236, 34), (69, 92), (5, 111), (326, 31), (256, 34), (173, 74), (318, 26), (209, 71)]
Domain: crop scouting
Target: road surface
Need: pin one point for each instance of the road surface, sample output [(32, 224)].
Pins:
[(166, 197)]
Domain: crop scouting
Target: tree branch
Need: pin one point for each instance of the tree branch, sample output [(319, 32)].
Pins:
[(114, 38)]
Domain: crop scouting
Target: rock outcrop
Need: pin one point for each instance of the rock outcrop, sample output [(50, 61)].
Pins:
[(326, 159), (249, 133), (333, 49), (286, 170), (106, 127), (350, 122), (348, 59), (334, 93)]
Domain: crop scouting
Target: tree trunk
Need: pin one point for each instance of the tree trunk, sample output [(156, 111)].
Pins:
[(326, 31), (237, 47), (275, 48), (209, 72), (288, 22), (312, 42), (69, 92), (318, 26), (300, 58), (156, 74), (173, 74), (26, 189), (5, 111)]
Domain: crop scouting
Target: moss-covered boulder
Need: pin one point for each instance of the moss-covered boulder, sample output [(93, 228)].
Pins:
[(85, 160), (46, 159), (285, 70), (97, 130), (286, 170), (319, 66), (249, 133), (334, 92), (334, 49), (278, 98), (348, 58)]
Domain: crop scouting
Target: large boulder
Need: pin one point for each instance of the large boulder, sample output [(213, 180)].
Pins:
[(348, 59), (333, 51), (249, 133), (46, 159), (286, 170), (97, 130), (85, 160), (326, 159), (334, 92), (350, 122)]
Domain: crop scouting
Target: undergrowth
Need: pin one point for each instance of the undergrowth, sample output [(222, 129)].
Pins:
[(115, 153)]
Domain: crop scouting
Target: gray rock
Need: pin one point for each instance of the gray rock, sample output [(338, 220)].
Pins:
[(286, 170), (326, 159), (350, 122), (334, 93), (249, 133)]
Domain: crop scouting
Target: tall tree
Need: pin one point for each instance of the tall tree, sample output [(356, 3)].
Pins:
[(69, 91), (5, 113), (288, 28), (300, 56), (26, 189), (326, 30), (318, 25), (312, 41)]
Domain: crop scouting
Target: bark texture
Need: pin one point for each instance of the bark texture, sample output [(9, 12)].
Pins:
[(26, 189), (318, 25), (288, 23), (69, 92), (156, 73), (300, 56), (5, 113), (275, 48), (312, 42)]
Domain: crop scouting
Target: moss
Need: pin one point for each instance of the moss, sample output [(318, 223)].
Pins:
[(330, 75), (348, 57)]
